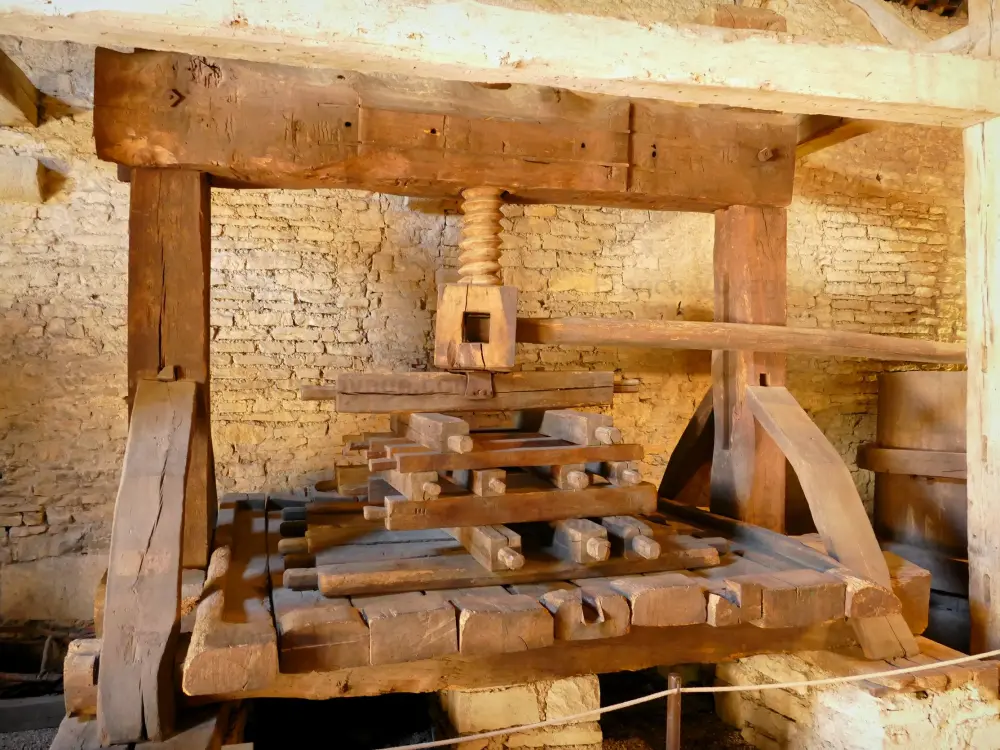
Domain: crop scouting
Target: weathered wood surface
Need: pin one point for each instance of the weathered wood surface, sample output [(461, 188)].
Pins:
[(493, 348), (982, 237), (233, 645), (691, 455), (639, 649), (199, 730), (492, 620), (836, 507), (408, 626), (914, 462), (168, 310), (734, 336), (80, 676), (460, 570), (142, 610), (516, 452), (522, 502), (445, 391), (748, 469), (429, 138), (18, 97)]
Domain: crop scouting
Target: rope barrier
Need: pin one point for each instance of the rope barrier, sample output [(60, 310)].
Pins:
[(716, 689)]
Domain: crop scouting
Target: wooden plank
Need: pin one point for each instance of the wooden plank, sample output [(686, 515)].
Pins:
[(951, 465), (748, 470), (639, 649), (493, 621), (443, 392), (233, 645), (18, 96), (688, 334), (409, 627), (630, 537), (351, 132), (760, 70), (520, 504), (545, 455), (982, 243), (317, 633), (168, 312), (142, 610), (463, 571), (835, 505)]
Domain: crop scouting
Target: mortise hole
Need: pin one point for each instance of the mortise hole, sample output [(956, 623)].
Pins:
[(654, 154), (347, 124), (583, 145), (476, 328), (340, 78), (434, 131), (764, 379)]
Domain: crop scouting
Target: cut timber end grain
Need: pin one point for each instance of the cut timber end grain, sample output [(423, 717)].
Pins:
[(663, 599), (864, 598), (500, 622), (608, 435), (319, 634), (80, 676), (580, 540), (575, 426), (409, 627), (721, 612), (576, 620), (459, 443)]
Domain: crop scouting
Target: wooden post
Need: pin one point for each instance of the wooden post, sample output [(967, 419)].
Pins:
[(748, 469), (982, 232), (168, 314)]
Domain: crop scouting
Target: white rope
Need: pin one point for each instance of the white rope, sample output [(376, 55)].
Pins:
[(718, 689)]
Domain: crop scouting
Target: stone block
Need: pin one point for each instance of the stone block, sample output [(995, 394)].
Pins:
[(54, 588)]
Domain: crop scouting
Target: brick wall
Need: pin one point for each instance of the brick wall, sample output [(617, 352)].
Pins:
[(307, 284)]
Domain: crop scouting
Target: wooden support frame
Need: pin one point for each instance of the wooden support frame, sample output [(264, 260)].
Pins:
[(18, 97), (748, 470), (168, 318), (135, 689), (476, 42)]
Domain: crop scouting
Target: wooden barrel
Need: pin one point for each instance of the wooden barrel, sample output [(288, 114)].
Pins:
[(915, 503)]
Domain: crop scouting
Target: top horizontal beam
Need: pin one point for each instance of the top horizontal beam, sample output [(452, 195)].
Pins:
[(463, 40)]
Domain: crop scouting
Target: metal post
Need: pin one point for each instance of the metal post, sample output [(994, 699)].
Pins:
[(674, 713)]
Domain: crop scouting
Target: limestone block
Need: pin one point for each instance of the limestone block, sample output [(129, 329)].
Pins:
[(485, 709), (54, 588), (582, 736), (22, 179)]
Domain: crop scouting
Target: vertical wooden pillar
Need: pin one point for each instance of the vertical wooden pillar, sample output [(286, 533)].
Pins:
[(748, 469), (982, 274), (168, 318)]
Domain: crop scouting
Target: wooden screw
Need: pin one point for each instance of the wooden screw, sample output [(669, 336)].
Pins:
[(598, 549), (510, 559)]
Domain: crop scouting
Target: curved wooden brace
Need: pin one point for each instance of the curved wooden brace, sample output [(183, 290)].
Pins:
[(836, 508)]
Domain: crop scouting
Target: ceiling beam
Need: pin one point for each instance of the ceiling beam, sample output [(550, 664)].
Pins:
[(469, 41)]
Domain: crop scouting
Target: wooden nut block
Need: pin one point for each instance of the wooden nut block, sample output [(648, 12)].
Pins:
[(580, 427), (317, 633), (580, 540), (409, 627), (475, 327)]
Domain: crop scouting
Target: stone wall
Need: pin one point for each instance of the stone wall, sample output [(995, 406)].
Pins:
[(307, 284)]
